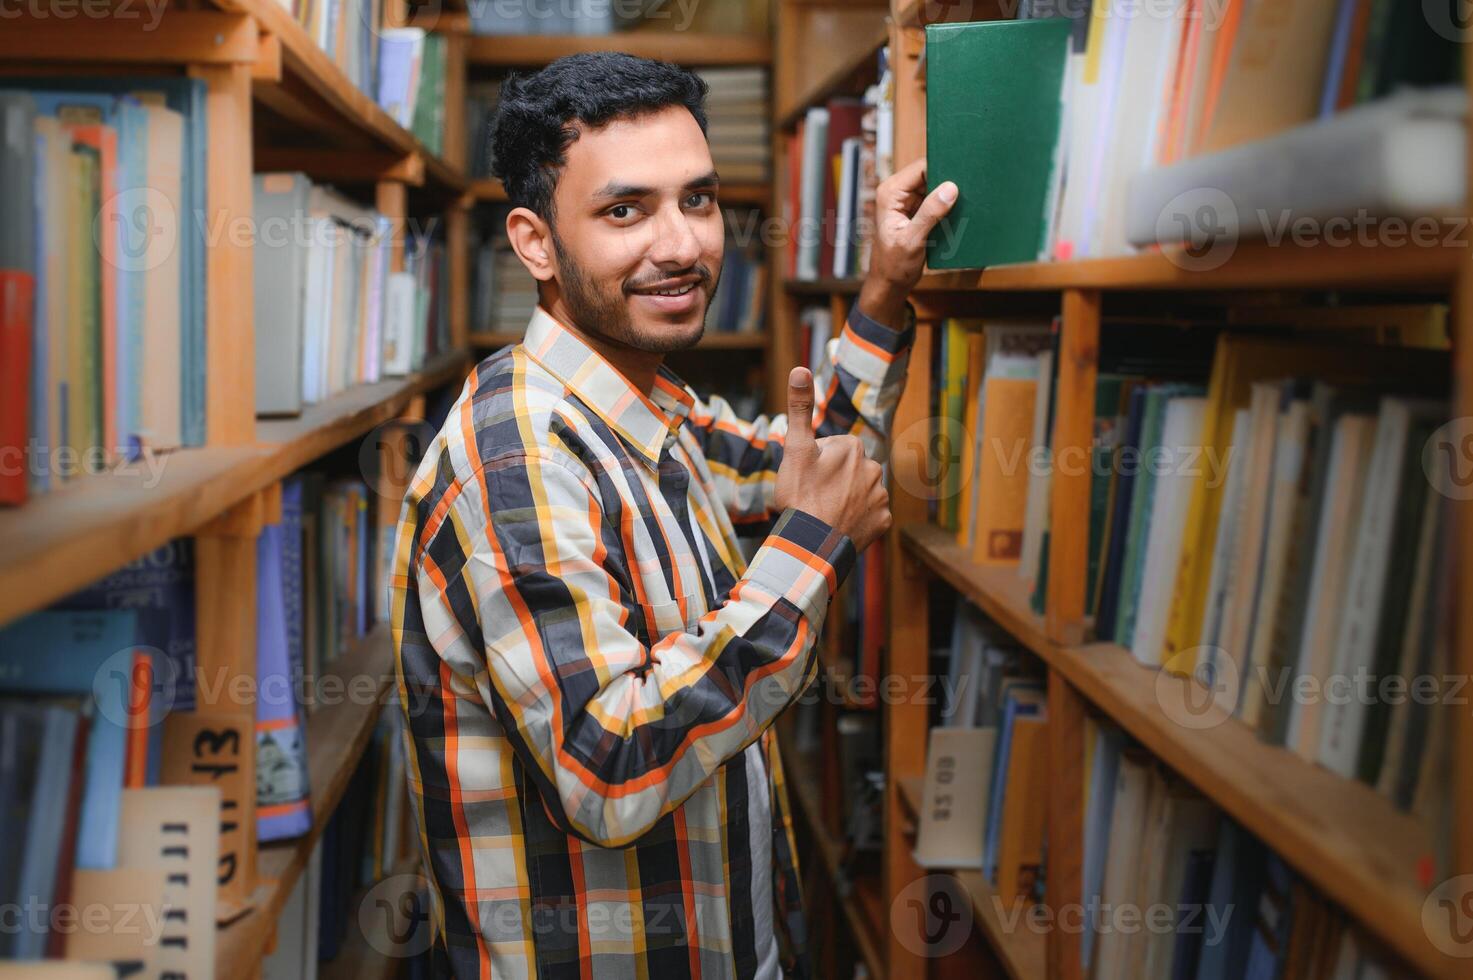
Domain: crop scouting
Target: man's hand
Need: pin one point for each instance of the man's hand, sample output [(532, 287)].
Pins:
[(830, 478), (904, 218)]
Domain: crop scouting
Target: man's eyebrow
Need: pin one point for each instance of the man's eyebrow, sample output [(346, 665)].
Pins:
[(613, 189)]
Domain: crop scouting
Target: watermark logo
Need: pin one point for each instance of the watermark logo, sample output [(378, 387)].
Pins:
[(1451, 19), (1447, 917), (932, 916), (394, 917), (926, 458), (1447, 459), (136, 687), (390, 453), (1204, 220), (1204, 698), (144, 225)]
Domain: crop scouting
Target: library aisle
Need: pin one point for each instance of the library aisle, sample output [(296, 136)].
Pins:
[(1160, 671)]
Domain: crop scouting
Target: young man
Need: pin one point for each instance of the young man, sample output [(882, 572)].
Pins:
[(588, 666)]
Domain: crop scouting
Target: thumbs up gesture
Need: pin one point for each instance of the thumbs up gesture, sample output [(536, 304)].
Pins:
[(829, 478)]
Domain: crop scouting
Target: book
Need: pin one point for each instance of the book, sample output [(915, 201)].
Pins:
[(279, 208), (1020, 838), (1007, 75), (1002, 464), (283, 798)]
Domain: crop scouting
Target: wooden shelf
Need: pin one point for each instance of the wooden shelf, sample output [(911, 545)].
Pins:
[(822, 287), (1255, 265), (758, 195), (337, 735), (1358, 849), (803, 788), (682, 47), (1022, 951), (74, 535), (842, 66), (315, 96)]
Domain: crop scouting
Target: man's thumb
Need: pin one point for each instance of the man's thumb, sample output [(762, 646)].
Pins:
[(800, 408)]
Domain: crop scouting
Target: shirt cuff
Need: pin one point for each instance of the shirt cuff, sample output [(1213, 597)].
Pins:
[(871, 351), (803, 560)]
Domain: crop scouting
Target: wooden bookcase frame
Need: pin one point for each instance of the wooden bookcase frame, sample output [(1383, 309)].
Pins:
[(251, 54), (1350, 843)]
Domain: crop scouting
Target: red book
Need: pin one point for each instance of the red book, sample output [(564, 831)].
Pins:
[(66, 857), (17, 298), (791, 204), (873, 616), (844, 123)]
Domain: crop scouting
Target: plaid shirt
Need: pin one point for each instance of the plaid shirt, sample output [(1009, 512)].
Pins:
[(589, 667)]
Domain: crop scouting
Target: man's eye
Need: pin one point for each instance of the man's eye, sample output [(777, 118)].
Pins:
[(620, 211), (699, 199)]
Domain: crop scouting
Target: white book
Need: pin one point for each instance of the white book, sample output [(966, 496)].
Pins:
[(810, 218), (1182, 430), (1405, 155), (844, 233), (1035, 513), (1344, 718), (1291, 444), (399, 324), (1229, 519), (1350, 454)]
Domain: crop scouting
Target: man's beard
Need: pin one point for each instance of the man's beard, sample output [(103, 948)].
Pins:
[(606, 314)]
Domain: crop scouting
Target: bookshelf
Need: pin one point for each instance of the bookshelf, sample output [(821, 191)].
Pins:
[(1351, 844), (274, 101)]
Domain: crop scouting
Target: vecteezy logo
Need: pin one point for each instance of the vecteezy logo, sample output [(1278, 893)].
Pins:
[(136, 687), (1451, 19), (389, 455), (1200, 229), (926, 458), (143, 225), (1205, 698), (932, 916), (394, 917), (1447, 917), (1447, 459)]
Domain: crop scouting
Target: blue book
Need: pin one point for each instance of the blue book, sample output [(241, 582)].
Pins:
[(1124, 487), (1100, 809), (283, 803), (163, 581), (1270, 942), (185, 96), (37, 883), (1193, 902), (1237, 878), (1023, 701), (292, 496), (86, 654), (1339, 56), (40, 428)]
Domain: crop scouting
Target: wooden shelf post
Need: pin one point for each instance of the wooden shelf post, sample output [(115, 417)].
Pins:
[(1079, 347), (230, 363), (1065, 892), (907, 719)]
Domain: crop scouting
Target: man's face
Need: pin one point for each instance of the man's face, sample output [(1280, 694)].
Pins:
[(637, 231)]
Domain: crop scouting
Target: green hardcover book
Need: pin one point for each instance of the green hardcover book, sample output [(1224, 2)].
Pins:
[(993, 109)]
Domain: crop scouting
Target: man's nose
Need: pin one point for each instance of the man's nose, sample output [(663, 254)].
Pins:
[(676, 245)]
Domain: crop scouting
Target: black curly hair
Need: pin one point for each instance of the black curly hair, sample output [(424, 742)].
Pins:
[(540, 113)]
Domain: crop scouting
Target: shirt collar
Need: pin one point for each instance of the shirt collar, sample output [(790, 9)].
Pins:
[(643, 422)]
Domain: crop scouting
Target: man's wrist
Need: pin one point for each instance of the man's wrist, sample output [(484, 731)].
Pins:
[(884, 302)]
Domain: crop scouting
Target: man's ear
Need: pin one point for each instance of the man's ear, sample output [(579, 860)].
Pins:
[(531, 237)]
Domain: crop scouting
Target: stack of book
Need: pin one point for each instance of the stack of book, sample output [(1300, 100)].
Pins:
[(1266, 513), (504, 294), (740, 304), (1241, 98), (568, 17), (329, 313), (102, 274), (1236, 910), (736, 122), (482, 96), (835, 161)]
